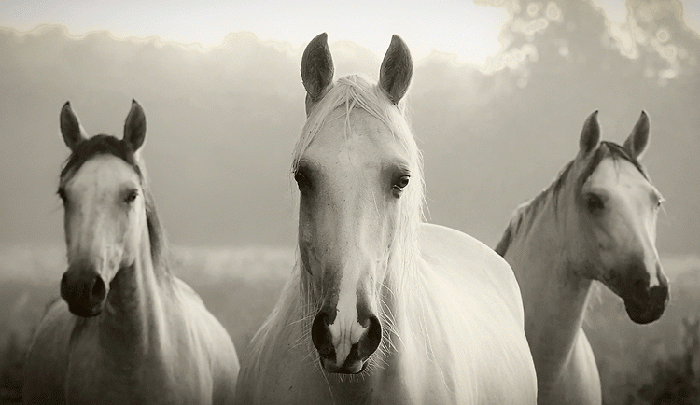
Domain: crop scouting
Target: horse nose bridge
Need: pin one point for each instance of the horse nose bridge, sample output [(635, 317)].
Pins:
[(86, 239), (650, 265), (82, 264), (644, 246)]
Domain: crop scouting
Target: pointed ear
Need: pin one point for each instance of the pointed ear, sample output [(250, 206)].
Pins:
[(637, 142), (397, 70), (135, 126), (73, 133), (316, 69), (590, 134)]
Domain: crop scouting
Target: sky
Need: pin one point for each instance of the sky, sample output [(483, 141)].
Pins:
[(222, 121), (465, 28)]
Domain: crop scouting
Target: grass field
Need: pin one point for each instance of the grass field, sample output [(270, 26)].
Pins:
[(240, 286)]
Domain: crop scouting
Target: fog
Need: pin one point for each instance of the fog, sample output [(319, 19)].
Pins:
[(222, 121)]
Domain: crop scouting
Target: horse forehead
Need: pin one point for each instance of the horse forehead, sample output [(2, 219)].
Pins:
[(611, 173), (357, 136), (103, 173)]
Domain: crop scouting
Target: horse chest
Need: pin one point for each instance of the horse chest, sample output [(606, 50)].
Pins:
[(577, 382), (285, 380), (96, 375)]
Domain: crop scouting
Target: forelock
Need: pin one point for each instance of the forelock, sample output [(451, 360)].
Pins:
[(101, 144)]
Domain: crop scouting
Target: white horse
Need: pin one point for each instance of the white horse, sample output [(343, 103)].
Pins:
[(597, 221), (381, 307), (127, 331)]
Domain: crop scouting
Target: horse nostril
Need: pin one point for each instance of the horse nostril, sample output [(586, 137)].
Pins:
[(369, 343), (659, 294), (321, 335), (84, 291), (64, 286), (98, 292), (661, 276)]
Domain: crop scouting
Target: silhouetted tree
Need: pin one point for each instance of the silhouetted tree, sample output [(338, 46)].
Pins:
[(11, 361), (676, 380)]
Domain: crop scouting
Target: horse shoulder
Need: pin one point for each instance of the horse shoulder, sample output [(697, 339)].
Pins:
[(271, 369), (214, 341), (47, 358), (257, 369), (479, 296), (196, 313), (477, 263)]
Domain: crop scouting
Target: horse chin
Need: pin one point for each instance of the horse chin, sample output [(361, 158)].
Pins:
[(355, 367), (644, 314), (80, 310)]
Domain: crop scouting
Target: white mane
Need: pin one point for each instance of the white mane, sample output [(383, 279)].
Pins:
[(358, 92)]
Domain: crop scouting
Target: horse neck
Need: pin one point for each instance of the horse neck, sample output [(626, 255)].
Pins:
[(135, 310), (554, 295)]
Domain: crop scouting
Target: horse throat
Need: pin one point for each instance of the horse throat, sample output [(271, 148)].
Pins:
[(554, 293), (134, 317)]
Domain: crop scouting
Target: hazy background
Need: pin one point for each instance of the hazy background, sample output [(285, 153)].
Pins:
[(222, 120), (499, 94)]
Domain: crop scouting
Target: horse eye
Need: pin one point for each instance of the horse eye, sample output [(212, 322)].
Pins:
[(401, 182), (303, 181), (131, 196), (594, 203), (659, 201)]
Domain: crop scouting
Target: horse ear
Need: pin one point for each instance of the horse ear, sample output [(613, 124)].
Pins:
[(397, 70), (135, 126), (316, 69), (590, 134), (73, 133), (637, 142)]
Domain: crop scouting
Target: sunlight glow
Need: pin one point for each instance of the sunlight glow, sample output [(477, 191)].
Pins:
[(455, 26), (462, 28)]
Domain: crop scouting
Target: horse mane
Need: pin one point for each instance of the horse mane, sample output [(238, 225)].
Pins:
[(103, 144), (156, 235), (529, 210)]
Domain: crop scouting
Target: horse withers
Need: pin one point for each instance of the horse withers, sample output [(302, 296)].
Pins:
[(597, 221), (127, 330), (381, 307)]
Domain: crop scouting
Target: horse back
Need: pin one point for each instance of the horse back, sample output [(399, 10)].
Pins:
[(45, 365), (479, 316)]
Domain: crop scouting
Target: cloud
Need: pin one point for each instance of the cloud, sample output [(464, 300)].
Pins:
[(222, 122)]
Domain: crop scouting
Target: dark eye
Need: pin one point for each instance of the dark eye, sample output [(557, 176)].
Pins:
[(657, 200), (659, 203), (62, 194), (594, 203), (303, 180), (400, 183), (130, 196)]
